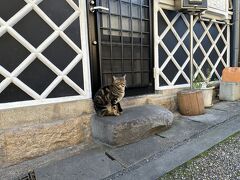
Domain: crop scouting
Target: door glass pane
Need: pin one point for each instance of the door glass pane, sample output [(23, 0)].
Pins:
[(145, 2), (145, 79), (136, 25), (127, 52), (116, 63), (137, 79), (137, 37), (106, 52), (115, 22), (104, 3), (116, 36), (115, 33), (145, 26), (126, 22), (105, 35), (114, 6), (145, 65), (117, 52), (145, 39), (125, 8), (106, 68), (136, 1), (127, 65), (137, 65), (145, 13), (145, 52), (137, 52), (105, 21), (136, 11)]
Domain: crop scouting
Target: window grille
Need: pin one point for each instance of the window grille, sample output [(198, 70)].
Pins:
[(51, 25), (171, 36)]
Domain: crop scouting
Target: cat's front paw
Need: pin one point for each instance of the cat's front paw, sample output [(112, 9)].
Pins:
[(117, 114), (100, 115)]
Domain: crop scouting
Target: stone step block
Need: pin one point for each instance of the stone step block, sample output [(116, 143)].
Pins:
[(131, 126)]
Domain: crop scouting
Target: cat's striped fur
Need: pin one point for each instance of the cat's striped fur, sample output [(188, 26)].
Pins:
[(107, 99)]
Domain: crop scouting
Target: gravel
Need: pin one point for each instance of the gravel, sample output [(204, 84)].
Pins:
[(221, 162)]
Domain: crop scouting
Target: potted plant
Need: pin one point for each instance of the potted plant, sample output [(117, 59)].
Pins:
[(206, 87)]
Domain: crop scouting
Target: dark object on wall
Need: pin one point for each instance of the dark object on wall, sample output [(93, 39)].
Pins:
[(191, 5)]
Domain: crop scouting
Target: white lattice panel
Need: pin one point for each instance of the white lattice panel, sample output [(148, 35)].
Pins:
[(207, 52), (222, 34), (61, 75)]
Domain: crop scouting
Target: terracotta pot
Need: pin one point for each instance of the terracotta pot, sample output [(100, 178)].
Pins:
[(231, 74)]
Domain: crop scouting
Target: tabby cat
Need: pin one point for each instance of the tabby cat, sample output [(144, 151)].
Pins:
[(106, 100)]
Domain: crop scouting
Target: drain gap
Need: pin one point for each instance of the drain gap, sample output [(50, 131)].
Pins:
[(29, 176), (109, 156), (220, 109), (160, 136), (196, 121)]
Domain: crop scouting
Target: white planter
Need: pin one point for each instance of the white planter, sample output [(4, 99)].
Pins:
[(207, 96)]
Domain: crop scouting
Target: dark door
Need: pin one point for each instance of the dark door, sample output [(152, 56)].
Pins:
[(124, 44)]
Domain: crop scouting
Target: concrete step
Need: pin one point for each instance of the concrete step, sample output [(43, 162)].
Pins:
[(134, 124)]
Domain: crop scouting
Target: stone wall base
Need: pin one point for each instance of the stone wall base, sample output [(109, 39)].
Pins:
[(29, 132), (23, 143)]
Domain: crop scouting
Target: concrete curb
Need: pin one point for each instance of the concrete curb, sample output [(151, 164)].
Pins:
[(159, 164)]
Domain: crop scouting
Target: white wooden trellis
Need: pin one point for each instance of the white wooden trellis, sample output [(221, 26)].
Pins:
[(225, 62), (62, 75), (158, 40)]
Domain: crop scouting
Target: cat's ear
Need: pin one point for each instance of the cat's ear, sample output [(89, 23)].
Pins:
[(124, 76), (113, 78)]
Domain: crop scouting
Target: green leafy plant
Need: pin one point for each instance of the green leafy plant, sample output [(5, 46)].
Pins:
[(199, 82)]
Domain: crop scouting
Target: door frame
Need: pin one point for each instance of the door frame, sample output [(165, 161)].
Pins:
[(93, 49), (94, 52)]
